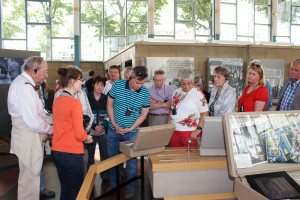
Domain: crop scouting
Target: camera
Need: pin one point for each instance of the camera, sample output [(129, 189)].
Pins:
[(241, 108), (128, 112), (166, 100), (174, 111)]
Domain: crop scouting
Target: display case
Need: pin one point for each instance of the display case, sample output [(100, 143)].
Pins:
[(261, 142)]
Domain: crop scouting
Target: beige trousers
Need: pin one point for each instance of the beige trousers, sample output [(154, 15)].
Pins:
[(157, 120), (28, 184)]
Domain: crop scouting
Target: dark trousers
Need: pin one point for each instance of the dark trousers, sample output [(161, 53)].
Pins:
[(70, 172), (102, 142)]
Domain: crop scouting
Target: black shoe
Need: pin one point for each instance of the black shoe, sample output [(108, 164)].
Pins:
[(130, 193), (47, 193)]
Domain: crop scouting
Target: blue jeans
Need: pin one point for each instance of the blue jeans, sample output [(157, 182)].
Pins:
[(102, 141), (42, 178), (70, 172), (113, 140)]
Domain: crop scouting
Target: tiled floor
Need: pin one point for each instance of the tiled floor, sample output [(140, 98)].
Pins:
[(8, 179)]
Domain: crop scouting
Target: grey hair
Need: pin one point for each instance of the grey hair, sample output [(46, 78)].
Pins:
[(127, 69), (201, 80), (33, 61), (185, 74), (159, 72), (295, 61)]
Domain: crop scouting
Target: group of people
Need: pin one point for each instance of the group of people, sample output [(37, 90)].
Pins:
[(115, 109)]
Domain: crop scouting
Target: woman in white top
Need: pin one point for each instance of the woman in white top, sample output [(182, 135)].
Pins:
[(223, 96), (188, 108)]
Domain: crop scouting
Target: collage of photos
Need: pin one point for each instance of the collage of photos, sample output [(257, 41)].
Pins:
[(260, 138)]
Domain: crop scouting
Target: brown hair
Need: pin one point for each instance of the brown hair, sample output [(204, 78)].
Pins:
[(68, 73)]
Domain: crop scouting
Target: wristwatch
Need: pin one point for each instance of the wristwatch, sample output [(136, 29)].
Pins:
[(199, 128)]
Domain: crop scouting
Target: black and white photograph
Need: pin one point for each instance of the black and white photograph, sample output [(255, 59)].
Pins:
[(274, 73), (170, 65), (236, 67), (10, 68)]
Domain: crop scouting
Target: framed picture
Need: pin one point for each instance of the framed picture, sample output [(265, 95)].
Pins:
[(276, 185)]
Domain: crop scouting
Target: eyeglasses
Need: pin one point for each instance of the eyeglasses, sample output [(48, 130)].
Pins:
[(255, 64), (186, 84), (156, 80)]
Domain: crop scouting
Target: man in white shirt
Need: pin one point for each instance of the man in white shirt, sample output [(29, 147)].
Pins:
[(30, 125), (114, 74)]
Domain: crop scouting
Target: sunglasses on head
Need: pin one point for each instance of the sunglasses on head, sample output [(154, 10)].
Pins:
[(255, 64), (141, 74)]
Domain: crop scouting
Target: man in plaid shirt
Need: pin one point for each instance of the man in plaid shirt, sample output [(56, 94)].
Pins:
[(290, 92)]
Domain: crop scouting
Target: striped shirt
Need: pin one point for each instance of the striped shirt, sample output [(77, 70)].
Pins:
[(288, 95), (124, 99)]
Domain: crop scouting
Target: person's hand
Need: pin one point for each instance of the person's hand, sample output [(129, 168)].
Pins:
[(86, 130), (167, 104), (97, 133), (99, 128), (195, 133), (125, 130), (88, 140), (118, 129), (47, 136)]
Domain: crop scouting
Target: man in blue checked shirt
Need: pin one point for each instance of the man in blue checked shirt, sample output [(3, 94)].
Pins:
[(290, 93)]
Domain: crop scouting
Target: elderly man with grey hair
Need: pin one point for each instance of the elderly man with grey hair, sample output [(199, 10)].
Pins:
[(290, 92), (160, 99), (188, 109)]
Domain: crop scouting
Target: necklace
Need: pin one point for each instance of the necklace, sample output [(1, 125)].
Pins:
[(68, 93)]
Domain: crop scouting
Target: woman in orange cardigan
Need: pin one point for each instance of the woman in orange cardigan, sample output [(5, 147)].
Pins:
[(68, 134)]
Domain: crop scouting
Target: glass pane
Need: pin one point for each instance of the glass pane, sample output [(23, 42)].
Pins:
[(91, 11), (262, 33), (14, 44), (115, 17), (137, 11), (296, 2), (164, 38), (91, 44), (295, 37), (283, 18), (38, 12), (63, 49), (136, 32), (228, 13), (113, 46), (204, 39), (228, 32), (204, 18), (295, 15), (262, 14), (164, 18), (62, 19), (283, 39), (245, 39), (263, 2), (184, 12), (245, 22), (39, 40), (228, 1), (13, 19), (184, 31)]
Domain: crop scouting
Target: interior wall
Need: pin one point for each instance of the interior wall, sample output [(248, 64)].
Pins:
[(98, 67), (202, 51)]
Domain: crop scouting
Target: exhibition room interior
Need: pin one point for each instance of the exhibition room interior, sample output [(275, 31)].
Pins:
[(167, 35)]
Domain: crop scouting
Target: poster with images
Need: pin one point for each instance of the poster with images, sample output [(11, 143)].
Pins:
[(283, 140), (248, 139), (236, 67), (10, 68), (170, 65), (274, 73)]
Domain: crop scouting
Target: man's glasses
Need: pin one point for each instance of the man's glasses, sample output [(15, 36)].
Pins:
[(186, 84)]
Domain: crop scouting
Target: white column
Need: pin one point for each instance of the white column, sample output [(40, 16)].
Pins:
[(217, 19), (151, 18), (274, 19)]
